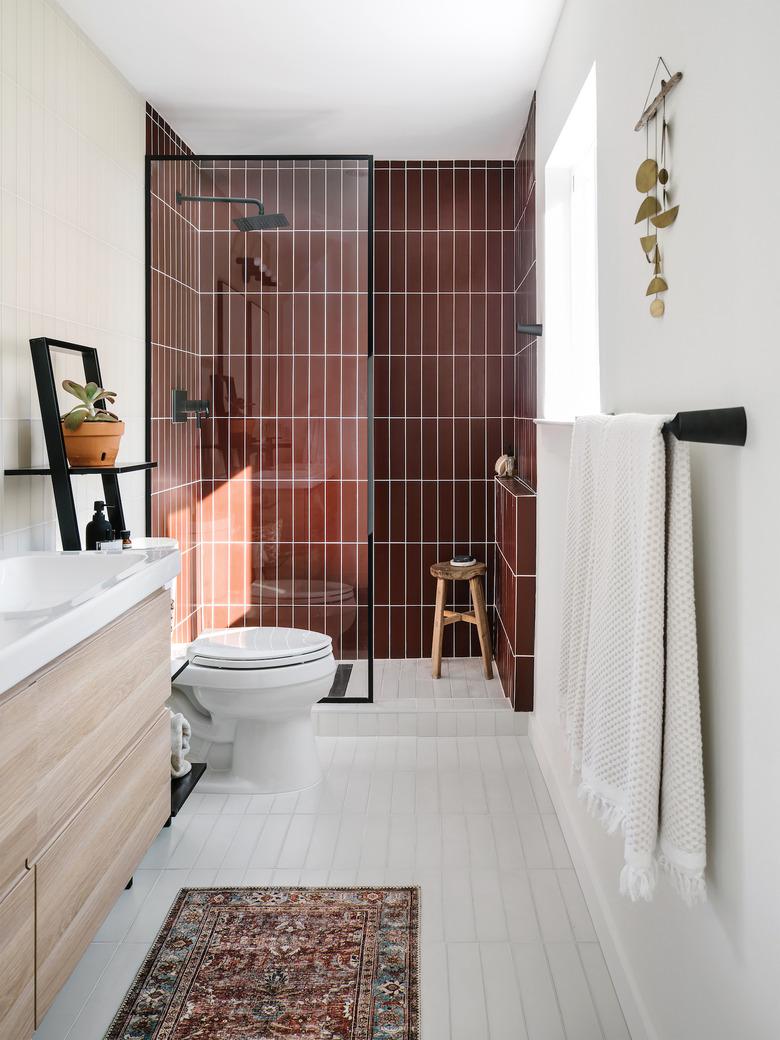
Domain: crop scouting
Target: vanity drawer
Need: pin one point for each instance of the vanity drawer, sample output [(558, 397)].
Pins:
[(17, 960), (18, 779), (94, 703), (82, 873)]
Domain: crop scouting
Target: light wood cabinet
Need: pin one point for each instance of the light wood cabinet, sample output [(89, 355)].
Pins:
[(82, 873), (17, 960), (84, 789)]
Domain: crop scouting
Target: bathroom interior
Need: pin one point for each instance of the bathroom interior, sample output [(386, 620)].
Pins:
[(387, 518)]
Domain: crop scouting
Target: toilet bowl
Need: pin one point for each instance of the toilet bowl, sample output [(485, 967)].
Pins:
[(248, 694), (334, 601)]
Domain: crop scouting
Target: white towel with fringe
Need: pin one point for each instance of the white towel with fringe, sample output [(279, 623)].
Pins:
[(181, 731), (629, 670)]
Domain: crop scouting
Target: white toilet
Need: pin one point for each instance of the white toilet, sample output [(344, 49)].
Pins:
[(248, 694)]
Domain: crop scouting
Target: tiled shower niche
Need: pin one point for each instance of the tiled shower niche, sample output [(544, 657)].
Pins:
[(280, 337)]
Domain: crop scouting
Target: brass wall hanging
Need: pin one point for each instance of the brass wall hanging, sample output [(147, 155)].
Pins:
[(652, 181)]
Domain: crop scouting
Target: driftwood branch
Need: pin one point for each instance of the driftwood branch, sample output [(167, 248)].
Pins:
[(655, 104)]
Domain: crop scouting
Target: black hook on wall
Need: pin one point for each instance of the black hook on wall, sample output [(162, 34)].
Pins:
[(710, 426)]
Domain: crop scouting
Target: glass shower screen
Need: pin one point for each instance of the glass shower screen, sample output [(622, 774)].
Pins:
[(282, 339)]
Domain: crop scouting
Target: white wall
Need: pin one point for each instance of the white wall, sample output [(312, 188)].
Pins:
[(712, 972), (71, 246)]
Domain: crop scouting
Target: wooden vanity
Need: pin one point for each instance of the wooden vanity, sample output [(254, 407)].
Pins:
[(84, 790)]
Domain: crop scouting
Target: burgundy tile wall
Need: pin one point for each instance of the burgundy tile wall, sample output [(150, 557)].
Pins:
[(515, 498), (175, 362), (443, 383), (284, 538)]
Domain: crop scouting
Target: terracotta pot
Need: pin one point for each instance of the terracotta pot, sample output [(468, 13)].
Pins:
[(93, 443)]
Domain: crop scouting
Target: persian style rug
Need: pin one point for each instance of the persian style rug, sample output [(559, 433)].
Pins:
[(267, 963)]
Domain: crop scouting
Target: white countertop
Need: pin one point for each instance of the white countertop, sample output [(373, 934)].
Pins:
[(50, 602)]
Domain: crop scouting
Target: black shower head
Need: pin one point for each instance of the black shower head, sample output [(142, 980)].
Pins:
[(261, 221)]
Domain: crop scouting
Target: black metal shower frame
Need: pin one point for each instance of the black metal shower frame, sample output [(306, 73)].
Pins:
[(156, 157)]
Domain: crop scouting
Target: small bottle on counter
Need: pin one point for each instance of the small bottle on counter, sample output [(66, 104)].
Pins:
[(99, 529), (125, 536)]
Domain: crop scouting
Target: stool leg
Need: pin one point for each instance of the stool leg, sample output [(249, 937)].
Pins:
[(483, 630), (438, 627)]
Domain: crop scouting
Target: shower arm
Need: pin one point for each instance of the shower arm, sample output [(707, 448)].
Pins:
[(219, 198)]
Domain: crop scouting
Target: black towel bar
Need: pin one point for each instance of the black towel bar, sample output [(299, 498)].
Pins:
[(710, 426)]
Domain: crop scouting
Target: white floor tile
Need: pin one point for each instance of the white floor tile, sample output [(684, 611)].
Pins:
[(296, 842), (468, 1019), (459, 924), (602, 991), (99, 1010), (489, 911), (576, 907), (319, 855), (550, 907), (269, 845), (577, 1008), (435, 1010), (127, 907), (502, 993), (76, 991), (556, 841), (533, 839), (155, 908), (537, 993)]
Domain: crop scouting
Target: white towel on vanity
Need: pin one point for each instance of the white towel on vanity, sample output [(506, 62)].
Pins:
[(181, 732), (629, 671)]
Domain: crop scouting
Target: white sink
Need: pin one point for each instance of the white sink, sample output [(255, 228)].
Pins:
[(51, 601), (38, 583)]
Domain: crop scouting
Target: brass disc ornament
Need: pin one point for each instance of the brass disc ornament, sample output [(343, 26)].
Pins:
[(657, 284), (649, 208), (657, 307), (646, 176), (665, 219), (648, 242)]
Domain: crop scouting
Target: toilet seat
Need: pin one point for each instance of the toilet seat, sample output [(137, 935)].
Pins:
[(258, 648), (304, 591)]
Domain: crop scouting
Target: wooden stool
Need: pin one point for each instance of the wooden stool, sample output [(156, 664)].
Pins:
[(444, 572)]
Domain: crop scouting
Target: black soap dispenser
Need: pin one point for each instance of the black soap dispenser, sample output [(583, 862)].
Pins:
[(99, 529)]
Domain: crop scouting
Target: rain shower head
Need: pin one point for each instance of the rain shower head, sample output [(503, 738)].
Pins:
[(261, 221)]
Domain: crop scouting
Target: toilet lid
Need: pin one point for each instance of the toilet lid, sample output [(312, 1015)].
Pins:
[(266, 647)]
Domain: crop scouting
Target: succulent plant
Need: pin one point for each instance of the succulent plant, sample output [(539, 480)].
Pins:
[(86, 410)]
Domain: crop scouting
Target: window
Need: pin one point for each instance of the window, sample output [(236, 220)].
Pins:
[(571, 324)]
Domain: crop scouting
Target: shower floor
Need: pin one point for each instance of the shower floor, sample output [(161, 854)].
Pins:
[(410, 678)]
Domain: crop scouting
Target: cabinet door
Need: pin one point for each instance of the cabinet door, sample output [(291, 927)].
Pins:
[(17, 784), (17, 960), (94, 704), (81, 875)]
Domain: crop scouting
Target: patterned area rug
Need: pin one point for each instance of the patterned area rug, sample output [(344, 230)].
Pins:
[(262, 963)]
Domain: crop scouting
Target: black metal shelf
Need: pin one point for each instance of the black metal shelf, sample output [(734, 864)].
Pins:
[(58, 470), (45, 471), (183, 786)]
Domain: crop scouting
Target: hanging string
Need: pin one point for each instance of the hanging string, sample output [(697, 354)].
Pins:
[(658, 64)]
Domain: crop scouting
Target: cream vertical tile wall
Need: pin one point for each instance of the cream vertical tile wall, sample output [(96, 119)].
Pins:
[(71, 247)]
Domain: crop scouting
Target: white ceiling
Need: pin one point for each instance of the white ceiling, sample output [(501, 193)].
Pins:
[(431, 79)]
